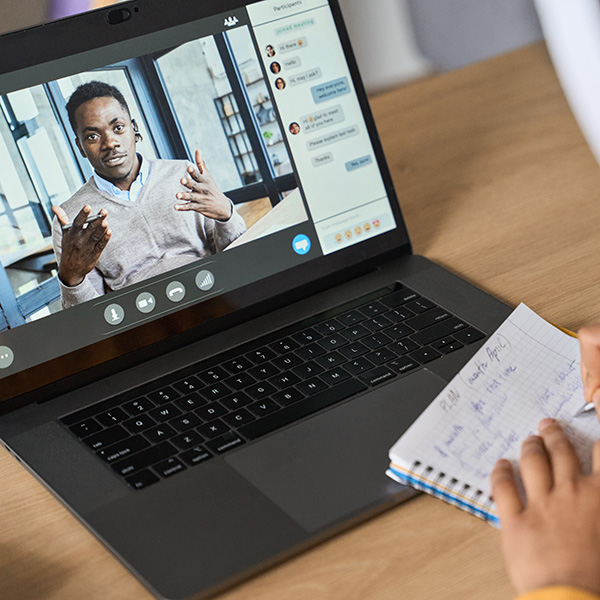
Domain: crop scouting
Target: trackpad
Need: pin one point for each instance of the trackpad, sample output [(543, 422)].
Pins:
[(332, 467)]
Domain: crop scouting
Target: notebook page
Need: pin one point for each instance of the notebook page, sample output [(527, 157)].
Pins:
[(527, 370)]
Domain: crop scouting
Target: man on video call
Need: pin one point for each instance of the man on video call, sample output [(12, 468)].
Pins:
[(153, 215)]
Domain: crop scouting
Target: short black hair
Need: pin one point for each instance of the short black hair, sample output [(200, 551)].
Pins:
[(89, 91)]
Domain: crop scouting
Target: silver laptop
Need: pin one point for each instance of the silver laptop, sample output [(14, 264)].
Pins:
[(212, 327)]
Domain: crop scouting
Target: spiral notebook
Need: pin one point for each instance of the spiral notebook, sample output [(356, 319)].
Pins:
[(527, 370)]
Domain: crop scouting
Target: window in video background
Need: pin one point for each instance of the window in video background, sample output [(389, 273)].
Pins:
[(208, 94)]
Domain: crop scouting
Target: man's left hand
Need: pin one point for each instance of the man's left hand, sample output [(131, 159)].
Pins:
[(204, 195)]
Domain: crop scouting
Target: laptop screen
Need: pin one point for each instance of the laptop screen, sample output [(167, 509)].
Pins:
[(174, 176)]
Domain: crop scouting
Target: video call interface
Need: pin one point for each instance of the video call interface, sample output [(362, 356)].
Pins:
[(135, 188)]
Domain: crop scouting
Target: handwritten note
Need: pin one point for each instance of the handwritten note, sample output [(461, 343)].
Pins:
[(526, 370)]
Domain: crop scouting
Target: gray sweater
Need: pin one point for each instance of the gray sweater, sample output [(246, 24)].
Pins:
[(149, 236)]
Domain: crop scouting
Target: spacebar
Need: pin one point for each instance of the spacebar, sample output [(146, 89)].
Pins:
[(302, 409)]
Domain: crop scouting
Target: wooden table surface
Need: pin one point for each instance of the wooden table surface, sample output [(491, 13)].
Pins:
[(497, 185)]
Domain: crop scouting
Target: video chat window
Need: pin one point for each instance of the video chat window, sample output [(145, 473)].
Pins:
[(208, 94)]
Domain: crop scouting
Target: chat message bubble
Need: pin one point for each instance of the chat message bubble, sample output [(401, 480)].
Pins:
[(322, 118), (306, 76), (333, 137), (291, 45), (322, 159), (357, 163), (291, 63), (331, 89)]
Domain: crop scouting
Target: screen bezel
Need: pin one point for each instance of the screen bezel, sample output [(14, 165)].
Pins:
[(92, 31)]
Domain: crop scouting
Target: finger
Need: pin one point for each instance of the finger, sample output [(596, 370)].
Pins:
[(536, 470), (200, 162), (195, 196), (504, 490), (81, 218), (193, 185), (97, 230), (103, 241), (184, 207), (596, 457), (193, 171), (563, 459), (61, 215), (589, 343)]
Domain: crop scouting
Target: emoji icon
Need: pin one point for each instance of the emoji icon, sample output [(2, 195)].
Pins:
[(358, 230), (367, 226), (347, 234), (376, 223), (338, 237)]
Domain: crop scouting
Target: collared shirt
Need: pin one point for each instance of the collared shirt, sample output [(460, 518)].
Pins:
[(131, 194)]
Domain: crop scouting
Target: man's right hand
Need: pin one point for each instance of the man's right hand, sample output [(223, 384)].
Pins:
[(82, 244)]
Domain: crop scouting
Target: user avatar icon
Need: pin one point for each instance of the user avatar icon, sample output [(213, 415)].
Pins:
[(270, 51), (275, 67), (294, 128), (280, 83)]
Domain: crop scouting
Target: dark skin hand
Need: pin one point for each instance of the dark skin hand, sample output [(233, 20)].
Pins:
[(204, 195), (82, 245)]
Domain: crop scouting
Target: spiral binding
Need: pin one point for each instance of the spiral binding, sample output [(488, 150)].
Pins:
[(424, 478)]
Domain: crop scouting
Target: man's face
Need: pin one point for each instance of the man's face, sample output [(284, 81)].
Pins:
[(106, 137)]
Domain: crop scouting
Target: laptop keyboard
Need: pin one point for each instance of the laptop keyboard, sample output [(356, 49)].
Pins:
[(184, 419)]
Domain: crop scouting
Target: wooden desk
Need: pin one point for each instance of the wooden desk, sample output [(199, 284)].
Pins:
[(498, 185)]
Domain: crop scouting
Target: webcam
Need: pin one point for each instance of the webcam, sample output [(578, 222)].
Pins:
[(115, 17)]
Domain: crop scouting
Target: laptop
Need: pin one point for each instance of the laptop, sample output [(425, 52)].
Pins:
[(212, 327)]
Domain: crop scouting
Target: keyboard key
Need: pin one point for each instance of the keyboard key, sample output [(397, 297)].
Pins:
[(284, 380), (159, 433), (399, 297), (195, 456), (287, 362), (360, 365), (421, 305), (264, 407), (216, 391), (404, 346), (260, 390), (398, 315), (139, 423), (142, 479), (425, 355), (187, 440), (225, 442), (312, 386), (239, 417), (213, 429), (355, 333), (264, 371), (372, 308), (310, 369), (331, 360), (333, 342), (169, 467), (86, 428), (377, 341), (335, 376), (301, 409), (456, 345), (211, 411), (188, 385), (186, 421), (261, 355), (354, 350), (378, 375), (378, 323), (399, 331), (138, 406), (284, 346), (236, 401), (190, 402), (144, 459), (311, 351), (427, 319), (112, 417), (213, 375), (307, 336), (328, 327), (240, 381), (447, 342), (106, 437), (237, 365), (403, 364), (164, 413), (163, 395), (123, 449), (289, 396), (351, 318), (440, 330), (381, 356), (469, 335)]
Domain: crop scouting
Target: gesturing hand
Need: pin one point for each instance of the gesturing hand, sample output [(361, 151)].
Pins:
[(204, 196), (555, 538), (82, 244)]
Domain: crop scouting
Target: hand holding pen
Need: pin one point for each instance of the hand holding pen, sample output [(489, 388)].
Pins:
[(589, 342)]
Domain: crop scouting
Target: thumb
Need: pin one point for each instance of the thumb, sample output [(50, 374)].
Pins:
[(61, 215)]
